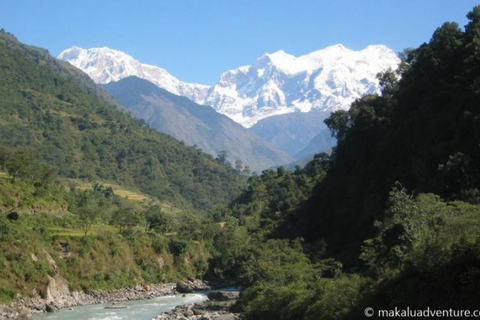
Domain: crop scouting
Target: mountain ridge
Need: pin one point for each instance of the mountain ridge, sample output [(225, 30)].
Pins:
[(329, 79)]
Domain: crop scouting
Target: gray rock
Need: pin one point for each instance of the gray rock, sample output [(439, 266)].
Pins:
[(223, 295), (182, 287)]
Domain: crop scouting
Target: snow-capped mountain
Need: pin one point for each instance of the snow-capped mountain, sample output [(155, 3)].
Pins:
[(105, 65), (279, 83)]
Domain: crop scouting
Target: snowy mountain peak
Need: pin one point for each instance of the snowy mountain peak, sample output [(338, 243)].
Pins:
[(105, 65), (377, 47), (279, 83), (278, 55), (336, 47), (280, 59)]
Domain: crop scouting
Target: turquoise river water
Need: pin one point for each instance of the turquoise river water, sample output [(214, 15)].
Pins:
[(136, 310)]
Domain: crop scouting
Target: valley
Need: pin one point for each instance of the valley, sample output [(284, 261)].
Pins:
[(321, 183)]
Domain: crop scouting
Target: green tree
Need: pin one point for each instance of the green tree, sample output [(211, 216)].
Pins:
[(19, 163), (338, 123), (155, 219), (222, 157), (124, 218), (88, 213), (472, 45), (388, 81), (404, 226)]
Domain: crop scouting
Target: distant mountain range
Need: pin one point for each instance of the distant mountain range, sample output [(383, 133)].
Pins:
[(282, 98), (278, 83), (195, 124)]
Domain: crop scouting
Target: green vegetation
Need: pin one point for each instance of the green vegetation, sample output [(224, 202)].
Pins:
[(102, 261)]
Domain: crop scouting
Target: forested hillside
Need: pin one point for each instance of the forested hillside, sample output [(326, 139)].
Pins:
[(89, 237), (60, 116)]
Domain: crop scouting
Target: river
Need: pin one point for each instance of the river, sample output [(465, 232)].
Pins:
[(136, 310)]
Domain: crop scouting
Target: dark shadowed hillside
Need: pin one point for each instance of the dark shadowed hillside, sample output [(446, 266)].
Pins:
[(423, 133)]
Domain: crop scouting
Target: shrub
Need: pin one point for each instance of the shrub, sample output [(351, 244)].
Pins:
[(12, 216), (178, 246)]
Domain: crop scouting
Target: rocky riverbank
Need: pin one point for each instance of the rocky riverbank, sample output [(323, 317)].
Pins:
[(57, 296), (219, 307)]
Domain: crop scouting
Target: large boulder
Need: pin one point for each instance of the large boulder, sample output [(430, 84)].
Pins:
[(223, 295), (182, 287)]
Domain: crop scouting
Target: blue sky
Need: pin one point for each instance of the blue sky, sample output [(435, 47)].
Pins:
[(197, 40)]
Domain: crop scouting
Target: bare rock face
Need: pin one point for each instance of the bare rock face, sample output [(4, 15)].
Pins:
[(57, 287), (45, 255)]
